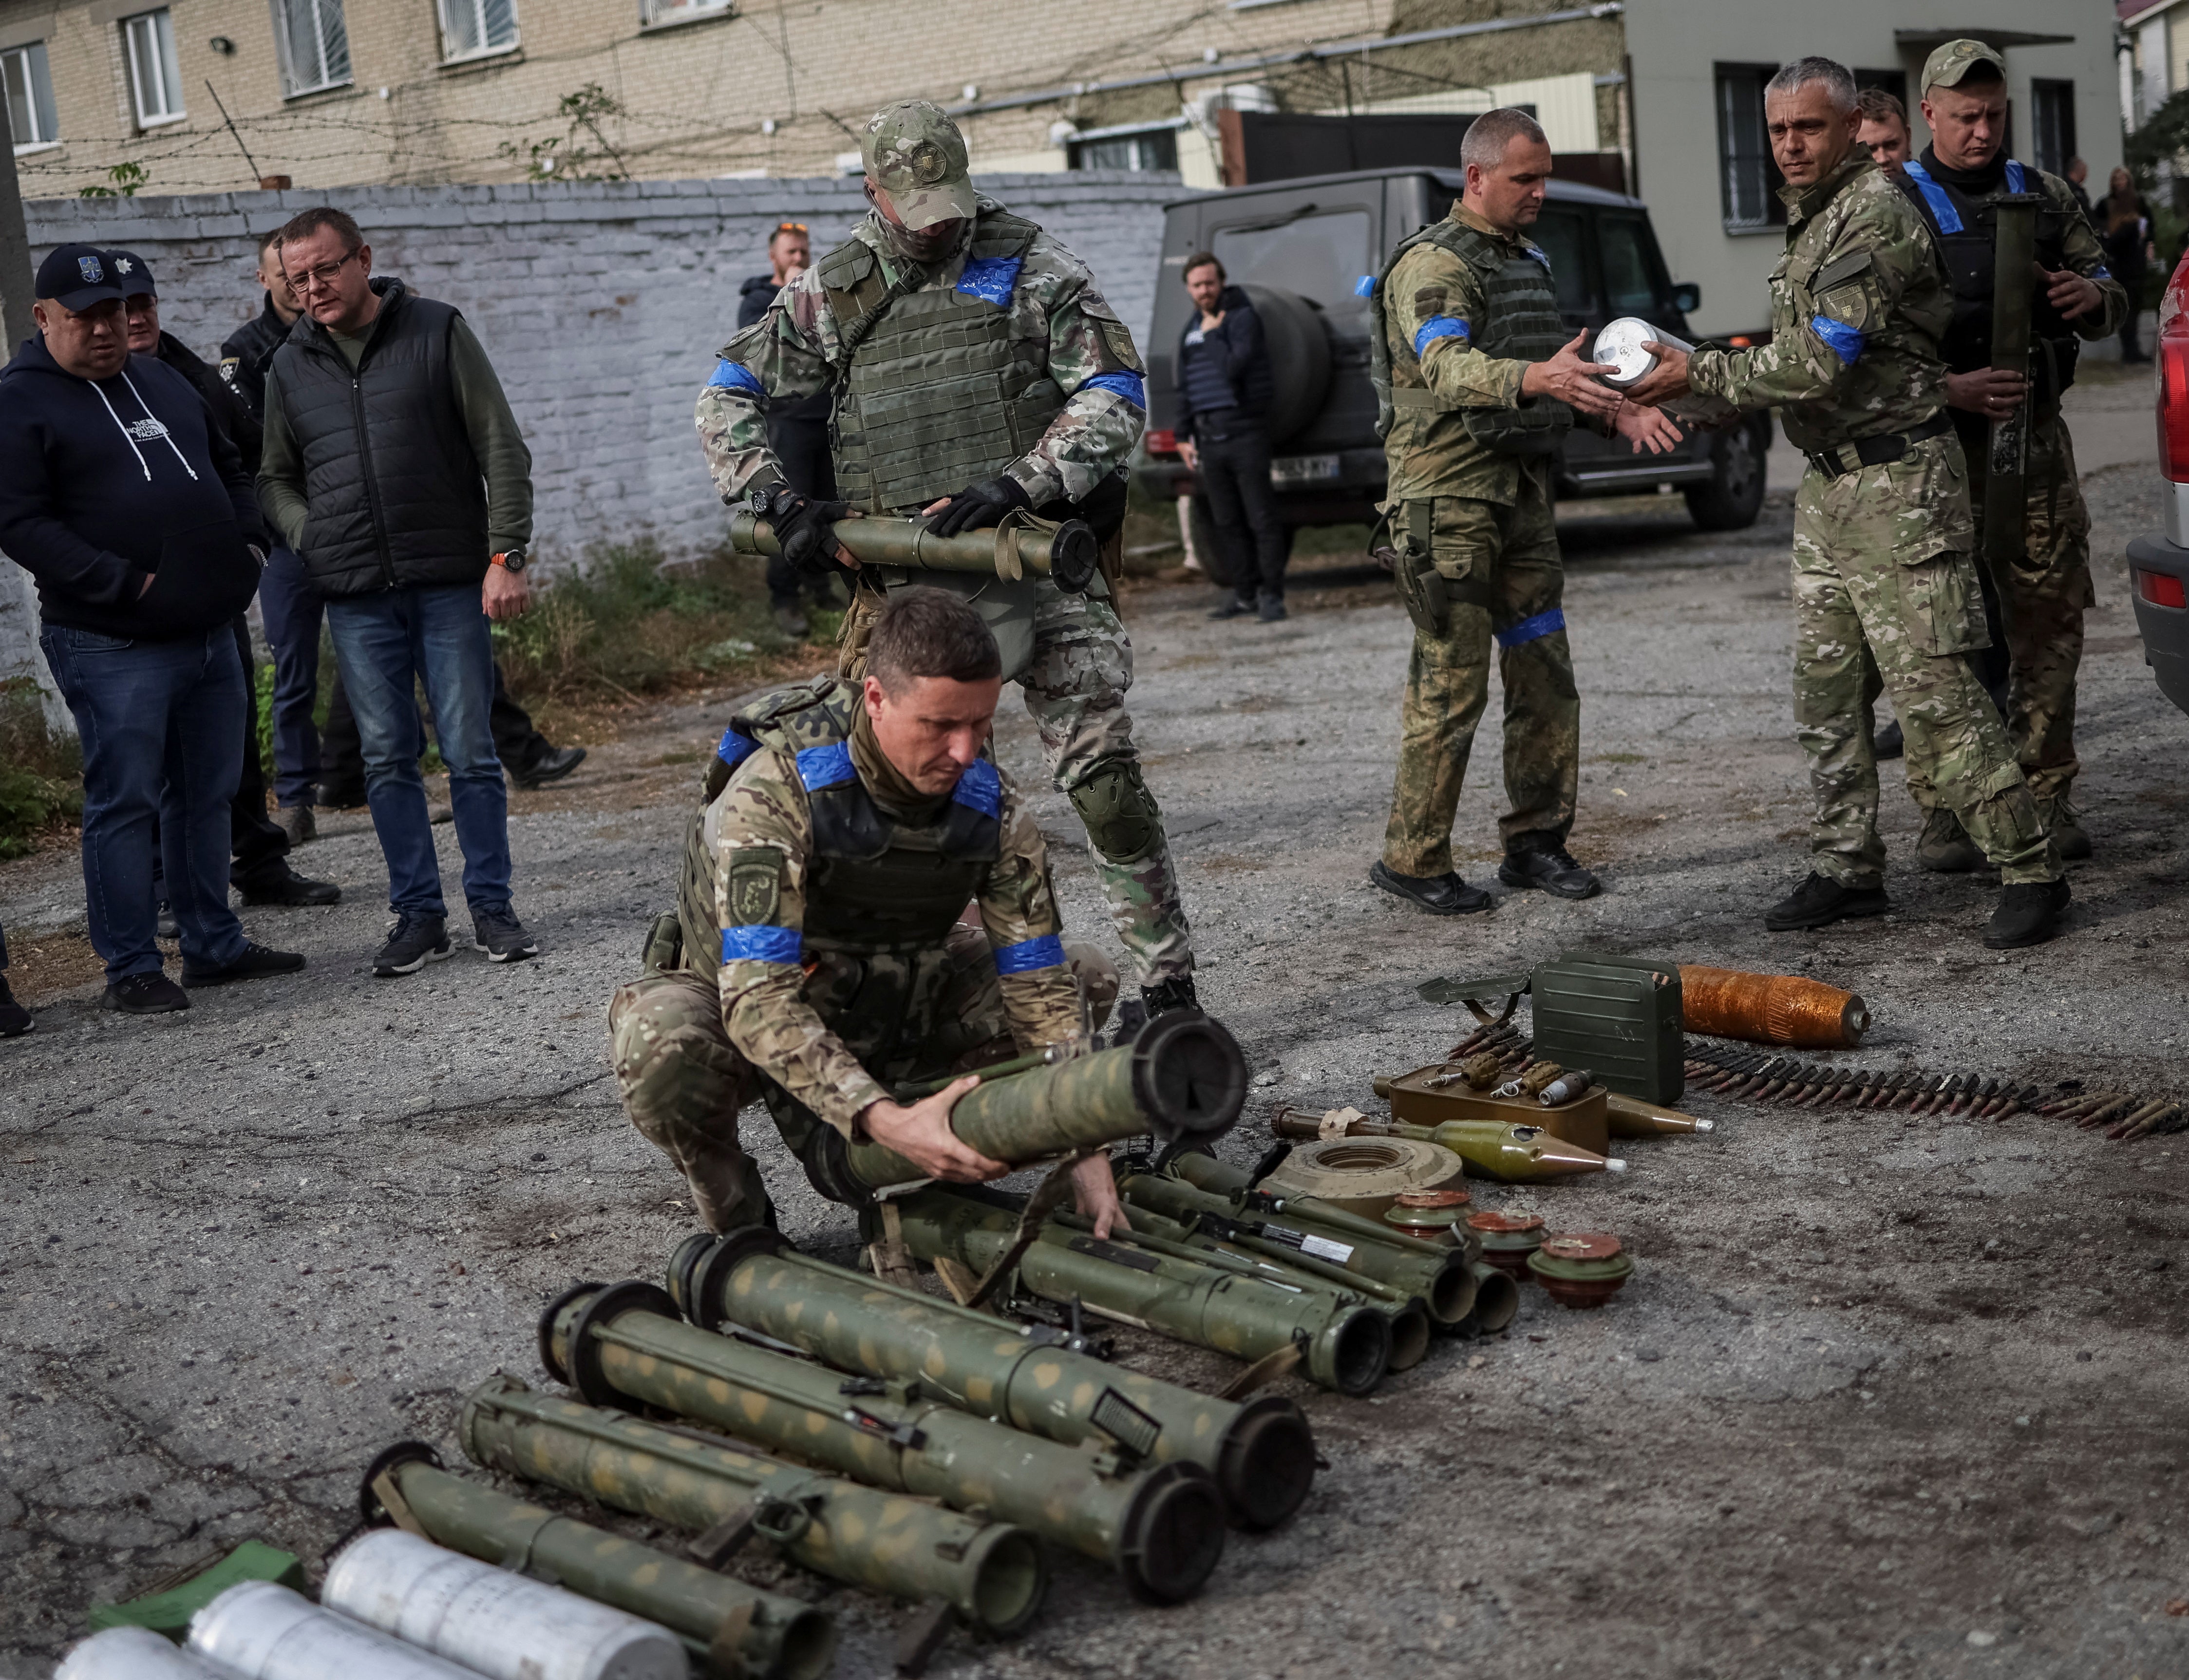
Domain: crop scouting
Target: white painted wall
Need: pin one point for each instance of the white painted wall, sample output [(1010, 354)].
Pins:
[(1675, 45)]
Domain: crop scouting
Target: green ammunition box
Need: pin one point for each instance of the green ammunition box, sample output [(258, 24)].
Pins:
[(1617, 1017)]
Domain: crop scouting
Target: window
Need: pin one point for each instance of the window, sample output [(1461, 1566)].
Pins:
[(471, 29), (653, 12), (1559, 234), (29, 96), (1321, 257), (314, 45), (1747, 178), (2053, 106), (1157, 148), (155, 82), (1635, 282)]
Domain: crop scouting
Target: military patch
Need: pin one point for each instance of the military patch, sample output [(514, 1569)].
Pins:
[(1117, 340), (755, 885)]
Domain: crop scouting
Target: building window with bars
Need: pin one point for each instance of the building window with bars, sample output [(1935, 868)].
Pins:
[(653, 14), (2052, 105), (1748, 180), (314, 45), (473, 29), (30, 84), (155, 81)]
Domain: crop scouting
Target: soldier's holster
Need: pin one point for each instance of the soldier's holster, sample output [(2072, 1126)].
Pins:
[(1421, 585)]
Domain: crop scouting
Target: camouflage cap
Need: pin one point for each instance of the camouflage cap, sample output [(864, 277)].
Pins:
[(913, 152), (1948, 63)]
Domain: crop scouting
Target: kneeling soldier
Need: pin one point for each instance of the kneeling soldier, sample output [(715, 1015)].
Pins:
[(844, 830)]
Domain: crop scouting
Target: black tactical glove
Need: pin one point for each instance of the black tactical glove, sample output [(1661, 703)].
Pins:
[(979, 506), (804, 528)]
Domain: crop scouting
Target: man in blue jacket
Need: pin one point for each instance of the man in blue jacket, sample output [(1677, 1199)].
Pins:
[(134, 515), (1224, 391)]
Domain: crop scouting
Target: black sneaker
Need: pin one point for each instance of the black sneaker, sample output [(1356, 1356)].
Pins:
[(1234, 608), (2028, 913), (1271, 609), (1549, 865), (551, 766), (1820, 901), (497, 932), (14, 1020), (341, 795), (1445, 895), (152, 993), (255, 962), (1892, 742), (414, 942), (276, 883), (1174, 993)]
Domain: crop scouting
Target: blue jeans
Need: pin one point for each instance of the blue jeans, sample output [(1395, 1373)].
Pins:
[(385, 644), (290, 607), (161, 725)]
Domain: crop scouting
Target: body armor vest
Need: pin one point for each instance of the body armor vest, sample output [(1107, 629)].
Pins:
[(940, 388), (881, 895), (1524, 324), (1964, 227)]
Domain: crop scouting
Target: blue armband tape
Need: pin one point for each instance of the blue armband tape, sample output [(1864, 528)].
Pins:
[(1029, 954), (990, 279), (761, 944), (1532, 630), (2016, 177), (1845, 341), (737, 377), (980, 788), (1364, 286), (1129, 385), (1436, 327), (828, 766), (737, 747), (1942, 207)]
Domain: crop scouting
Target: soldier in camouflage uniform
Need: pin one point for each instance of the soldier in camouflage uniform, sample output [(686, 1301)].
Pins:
[(817, 952), (966, 348), (1882, 536), (1469, 349), (2042, 595)]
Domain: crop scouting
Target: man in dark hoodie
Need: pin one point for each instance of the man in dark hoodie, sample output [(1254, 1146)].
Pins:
[(135, 516), (798, 432), (259, 869), (1225, 388), (393, 466)]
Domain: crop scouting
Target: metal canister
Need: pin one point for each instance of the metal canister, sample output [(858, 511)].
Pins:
[(1430, 1214), (267, 1633), (1507, 1240), (501, 1625), (136, 1654), (1582, 1269), (1619, 345)]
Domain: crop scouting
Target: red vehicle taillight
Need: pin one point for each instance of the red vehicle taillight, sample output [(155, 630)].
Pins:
[(2161, 589), (1166, 442), (2174, 377)]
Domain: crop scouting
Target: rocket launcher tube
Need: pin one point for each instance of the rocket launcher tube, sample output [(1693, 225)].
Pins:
[(1066, 553), (1183, 1076), (1161, 1527), (774, 1637), (1220, 1178), (992, 1572), (1441, 1278), (1348, 1342), (1262, 1453)]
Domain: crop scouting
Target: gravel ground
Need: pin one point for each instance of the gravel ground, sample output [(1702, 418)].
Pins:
[(1884, 1395)]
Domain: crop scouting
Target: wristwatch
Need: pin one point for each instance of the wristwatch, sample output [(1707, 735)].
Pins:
[(511, 560)]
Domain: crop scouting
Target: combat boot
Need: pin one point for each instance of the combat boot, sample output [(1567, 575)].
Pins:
[(1444, 894), (1542, 860), (1946, 847), (2064, 823), (1820, 901), (1165, 995), (2028, 913)]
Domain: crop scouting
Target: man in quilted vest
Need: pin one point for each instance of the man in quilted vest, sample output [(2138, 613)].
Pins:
[(1483, 386), (978, 375), (818, 959)]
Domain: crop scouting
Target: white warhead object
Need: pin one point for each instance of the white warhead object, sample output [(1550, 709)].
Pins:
[(267, 1633), (505, 1626), (1619, 346), (136, 1654)]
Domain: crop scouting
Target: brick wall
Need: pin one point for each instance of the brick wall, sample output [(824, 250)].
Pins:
[(603, 306)]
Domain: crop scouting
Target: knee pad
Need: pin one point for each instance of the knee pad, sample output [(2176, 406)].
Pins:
[(1121, 817)]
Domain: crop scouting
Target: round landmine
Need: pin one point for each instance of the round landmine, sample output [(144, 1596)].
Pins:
[(1582, 1269), (1364, 1175), (1430, 1214), (1507, 1240)]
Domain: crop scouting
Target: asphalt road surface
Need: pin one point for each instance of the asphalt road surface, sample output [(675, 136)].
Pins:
[(1886, 1396)]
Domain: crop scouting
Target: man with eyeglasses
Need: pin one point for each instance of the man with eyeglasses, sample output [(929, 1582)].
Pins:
[(798, 432), (393, 466)]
